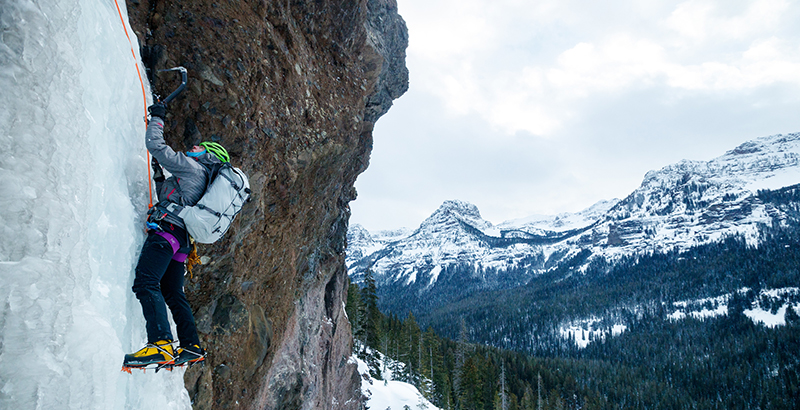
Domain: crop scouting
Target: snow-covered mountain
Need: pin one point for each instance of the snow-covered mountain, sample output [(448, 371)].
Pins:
[(680, 206), (694, 202), (361, 243)]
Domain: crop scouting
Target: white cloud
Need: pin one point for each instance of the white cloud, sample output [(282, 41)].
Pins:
[(707, 20), (497, 60), (615, 63), (690, 20), (443, 30)]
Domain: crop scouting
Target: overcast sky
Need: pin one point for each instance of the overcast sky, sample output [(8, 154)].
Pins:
[(526, 107)]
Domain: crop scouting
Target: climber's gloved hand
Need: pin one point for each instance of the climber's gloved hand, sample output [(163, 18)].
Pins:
[(158, 173), (158, 110)]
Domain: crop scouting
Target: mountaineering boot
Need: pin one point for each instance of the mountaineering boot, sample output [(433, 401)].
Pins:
[(160, 353), (191, 354)]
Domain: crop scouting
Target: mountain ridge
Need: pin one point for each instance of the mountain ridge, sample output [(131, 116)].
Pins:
[(682, 205)]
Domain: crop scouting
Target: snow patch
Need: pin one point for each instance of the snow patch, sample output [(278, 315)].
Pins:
[(389, 394), (412, 278), (435, 274), (767, 318), (586, 331), (718, 306)]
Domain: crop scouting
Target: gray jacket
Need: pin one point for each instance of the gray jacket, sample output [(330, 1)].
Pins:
[(189, 178)]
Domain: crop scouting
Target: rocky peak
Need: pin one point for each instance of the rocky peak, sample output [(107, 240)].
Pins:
[(452, 213), (357, 235), (359, 242), (459, 208)]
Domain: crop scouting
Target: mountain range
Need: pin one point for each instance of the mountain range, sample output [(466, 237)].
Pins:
[(680, 206), (455, 254)]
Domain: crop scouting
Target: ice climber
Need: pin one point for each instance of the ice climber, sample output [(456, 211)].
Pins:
[(160, 271)]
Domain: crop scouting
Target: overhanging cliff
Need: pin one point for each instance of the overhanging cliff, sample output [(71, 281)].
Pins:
[(292, 89)]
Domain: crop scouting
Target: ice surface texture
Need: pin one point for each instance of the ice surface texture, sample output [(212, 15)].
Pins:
[(73, 186)]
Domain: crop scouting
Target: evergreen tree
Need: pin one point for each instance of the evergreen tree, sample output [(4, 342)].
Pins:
[(791, 317), (458, 372), (369, 330), (502, 394), (539, 403), (527, 399), (369, 300), (472, 385), (354, 311)]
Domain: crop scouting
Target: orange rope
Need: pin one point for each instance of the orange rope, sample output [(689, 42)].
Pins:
[(144, 97)]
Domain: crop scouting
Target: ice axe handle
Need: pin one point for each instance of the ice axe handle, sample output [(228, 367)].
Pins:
[(182, 86)]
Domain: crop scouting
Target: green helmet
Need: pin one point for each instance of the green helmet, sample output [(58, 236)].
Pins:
[(218, 150)]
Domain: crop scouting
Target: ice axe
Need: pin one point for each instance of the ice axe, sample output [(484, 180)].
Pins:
[(180, 88)]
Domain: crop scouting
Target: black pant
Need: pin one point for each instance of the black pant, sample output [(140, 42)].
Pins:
[(159, 280)]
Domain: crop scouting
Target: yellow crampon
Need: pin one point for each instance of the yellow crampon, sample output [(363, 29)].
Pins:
[(161, 354)]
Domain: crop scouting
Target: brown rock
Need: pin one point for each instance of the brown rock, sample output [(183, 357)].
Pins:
[(292, 90)]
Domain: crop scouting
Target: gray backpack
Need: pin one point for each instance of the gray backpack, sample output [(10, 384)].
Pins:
[(210, 218)]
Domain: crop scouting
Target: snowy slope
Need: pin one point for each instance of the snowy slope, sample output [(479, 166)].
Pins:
[(361, 242), (675, 208), (694, 202), (389, 394), (770, 316), (542, 224), (73, 187)]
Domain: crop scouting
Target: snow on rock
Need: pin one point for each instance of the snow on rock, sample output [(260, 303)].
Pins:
[(361, 243), (73, 186), (695, 202), (541, 224)]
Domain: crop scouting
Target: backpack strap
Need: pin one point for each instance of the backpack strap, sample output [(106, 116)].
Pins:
[(174, 209)]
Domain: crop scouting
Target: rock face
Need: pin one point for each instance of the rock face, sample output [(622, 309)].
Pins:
[(292, 90)]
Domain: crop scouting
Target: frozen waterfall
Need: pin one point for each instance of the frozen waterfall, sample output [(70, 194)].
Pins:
[(73, 193)]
